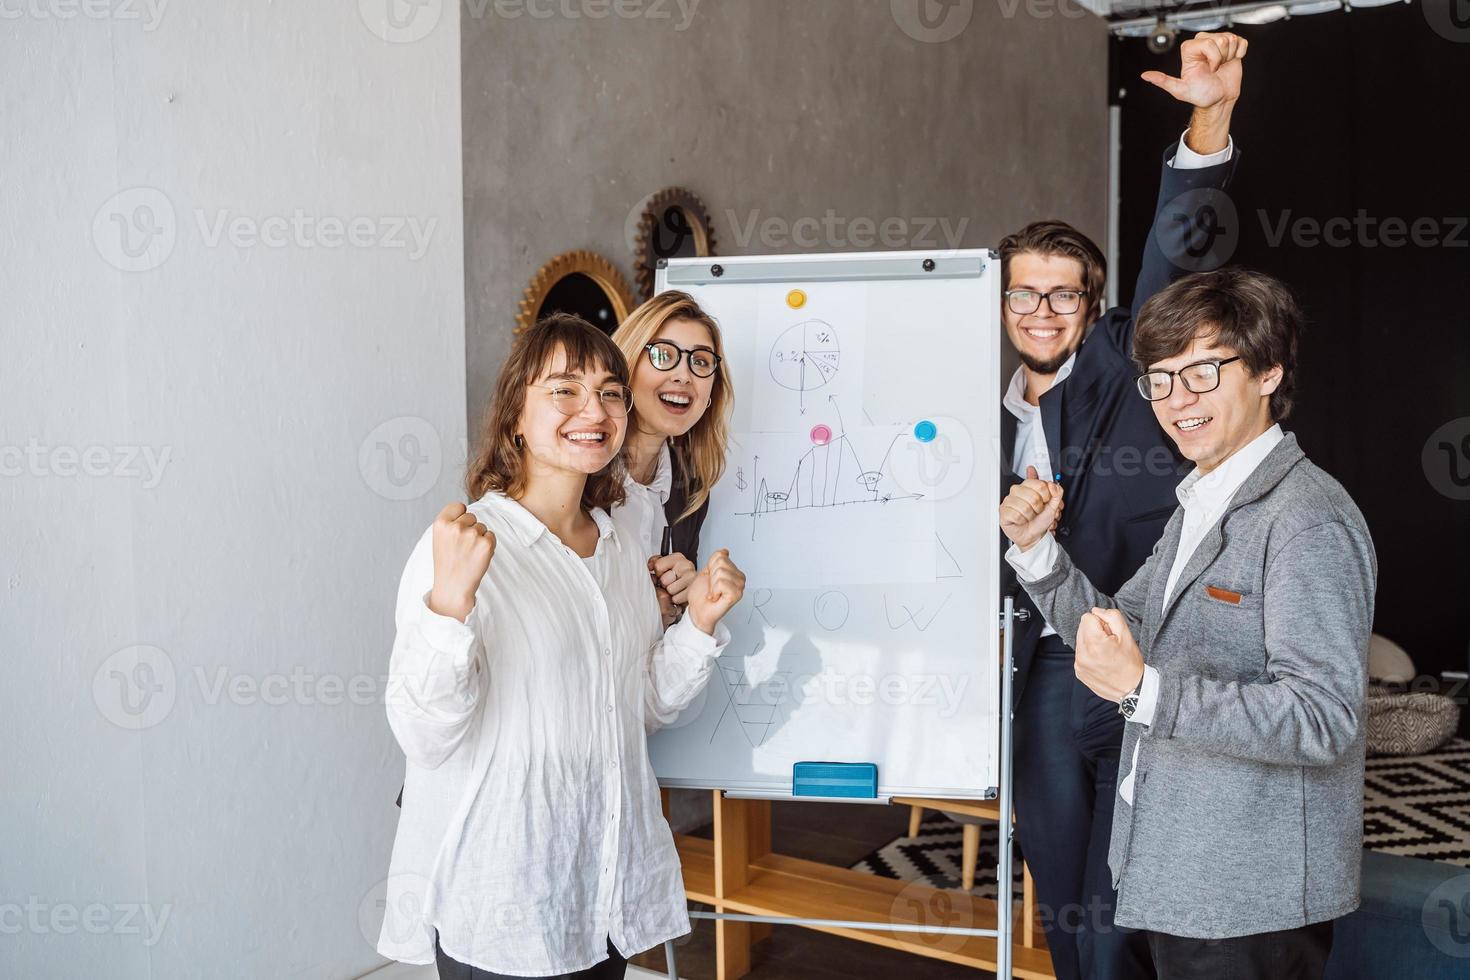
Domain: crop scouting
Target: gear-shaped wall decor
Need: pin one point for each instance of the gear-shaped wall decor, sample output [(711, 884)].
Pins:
[(579, 282), (674, 223)]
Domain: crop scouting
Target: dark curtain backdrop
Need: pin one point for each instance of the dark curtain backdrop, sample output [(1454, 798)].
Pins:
[(1341, 114)]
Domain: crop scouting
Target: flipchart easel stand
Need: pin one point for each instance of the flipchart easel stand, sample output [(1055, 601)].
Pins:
[(732, 839)]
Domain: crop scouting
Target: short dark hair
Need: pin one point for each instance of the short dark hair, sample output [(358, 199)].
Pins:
[(1059, 238), (1252, 313), (499, 464)]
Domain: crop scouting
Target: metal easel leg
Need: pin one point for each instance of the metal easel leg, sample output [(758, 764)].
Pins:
[(1004, 920)]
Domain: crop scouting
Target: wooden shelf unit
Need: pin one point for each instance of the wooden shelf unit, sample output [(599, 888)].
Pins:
[(738, 872)]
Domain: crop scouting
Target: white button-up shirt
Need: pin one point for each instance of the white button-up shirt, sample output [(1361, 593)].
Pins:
[(646, 503), (531, 830)]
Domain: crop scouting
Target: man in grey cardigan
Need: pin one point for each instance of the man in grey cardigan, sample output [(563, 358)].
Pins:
[(1238, 653)]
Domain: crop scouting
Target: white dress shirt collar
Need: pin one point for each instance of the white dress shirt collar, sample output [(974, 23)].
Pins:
[(528, 526), (1214, 488), (1015, 396)]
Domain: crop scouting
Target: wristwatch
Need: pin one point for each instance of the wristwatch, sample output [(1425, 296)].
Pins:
[(1129, 704)]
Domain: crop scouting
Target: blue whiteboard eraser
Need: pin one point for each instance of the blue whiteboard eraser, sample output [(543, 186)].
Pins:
[(856, 780)]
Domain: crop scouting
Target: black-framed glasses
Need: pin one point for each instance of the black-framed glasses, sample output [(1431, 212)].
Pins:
[(1199, 377), (1024, 302), (570, 397), (665, 357)]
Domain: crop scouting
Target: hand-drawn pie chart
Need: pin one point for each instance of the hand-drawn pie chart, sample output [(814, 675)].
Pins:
[(806, 356)]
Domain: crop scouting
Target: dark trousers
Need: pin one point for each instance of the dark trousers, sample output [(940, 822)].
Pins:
[(1066, 770), (611, 968), (1291, 954)]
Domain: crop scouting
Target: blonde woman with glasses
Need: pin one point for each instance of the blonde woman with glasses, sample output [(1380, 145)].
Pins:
[(675, 451)]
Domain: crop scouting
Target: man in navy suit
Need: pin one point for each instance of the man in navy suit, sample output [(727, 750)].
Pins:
[(1072, 414)]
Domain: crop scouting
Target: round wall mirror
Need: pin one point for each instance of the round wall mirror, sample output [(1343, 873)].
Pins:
[(582, 283)]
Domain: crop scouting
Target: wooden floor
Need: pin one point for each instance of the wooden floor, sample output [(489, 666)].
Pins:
[(832, 833)]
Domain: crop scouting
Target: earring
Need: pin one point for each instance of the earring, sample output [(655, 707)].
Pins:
[(519, 442)]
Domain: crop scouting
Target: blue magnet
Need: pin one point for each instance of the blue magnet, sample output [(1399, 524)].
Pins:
[(925, 431)]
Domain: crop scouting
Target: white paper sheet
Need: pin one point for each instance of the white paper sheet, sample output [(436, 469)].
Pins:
[(825, 513), (806, 355)]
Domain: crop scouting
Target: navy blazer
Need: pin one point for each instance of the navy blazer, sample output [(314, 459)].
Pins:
[(1118, 468)]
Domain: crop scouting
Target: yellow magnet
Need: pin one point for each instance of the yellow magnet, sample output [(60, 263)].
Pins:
[(796, 299)]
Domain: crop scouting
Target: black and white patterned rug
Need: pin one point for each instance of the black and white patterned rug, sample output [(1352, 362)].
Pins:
[(934, 857), (1419, 805), (1416, 806)]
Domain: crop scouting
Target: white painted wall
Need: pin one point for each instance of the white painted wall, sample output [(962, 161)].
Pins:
[(195, 429)]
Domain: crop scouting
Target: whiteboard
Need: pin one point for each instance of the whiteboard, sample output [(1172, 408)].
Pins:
[(859, 497)]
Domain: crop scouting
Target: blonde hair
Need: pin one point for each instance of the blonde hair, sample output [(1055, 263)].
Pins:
[(699, 453)]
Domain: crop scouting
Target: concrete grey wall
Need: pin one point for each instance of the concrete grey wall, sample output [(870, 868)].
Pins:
[(232, 380), (768, 109)]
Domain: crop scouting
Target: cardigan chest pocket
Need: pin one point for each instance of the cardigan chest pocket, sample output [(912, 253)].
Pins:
[(1229, 630)]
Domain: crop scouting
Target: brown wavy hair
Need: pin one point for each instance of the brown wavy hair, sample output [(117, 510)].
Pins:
[(699, 454), (1251, 313), (500, 465), (1059, 239)]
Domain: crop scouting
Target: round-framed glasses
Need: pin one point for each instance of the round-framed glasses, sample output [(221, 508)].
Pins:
[(570, 397), (665, 356)]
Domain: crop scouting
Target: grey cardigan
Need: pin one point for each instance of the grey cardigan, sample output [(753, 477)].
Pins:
[(1247, 812)]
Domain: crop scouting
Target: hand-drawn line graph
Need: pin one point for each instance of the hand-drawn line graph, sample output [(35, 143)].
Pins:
[(832, 475), (805, 357), (753, 706)]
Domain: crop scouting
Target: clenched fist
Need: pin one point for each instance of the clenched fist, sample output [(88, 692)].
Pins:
[(1030, 510), (715, 591), (462, 551), (1108, 659)]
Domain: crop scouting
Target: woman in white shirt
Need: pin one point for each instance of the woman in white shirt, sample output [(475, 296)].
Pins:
[(676, 449), (529, 663)]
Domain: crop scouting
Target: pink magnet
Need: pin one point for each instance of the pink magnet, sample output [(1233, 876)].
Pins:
[(821, 435)]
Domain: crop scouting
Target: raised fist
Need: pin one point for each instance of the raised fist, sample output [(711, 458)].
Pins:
[(1030, 510), (1108, 659), (715, 591), (463, 548)]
